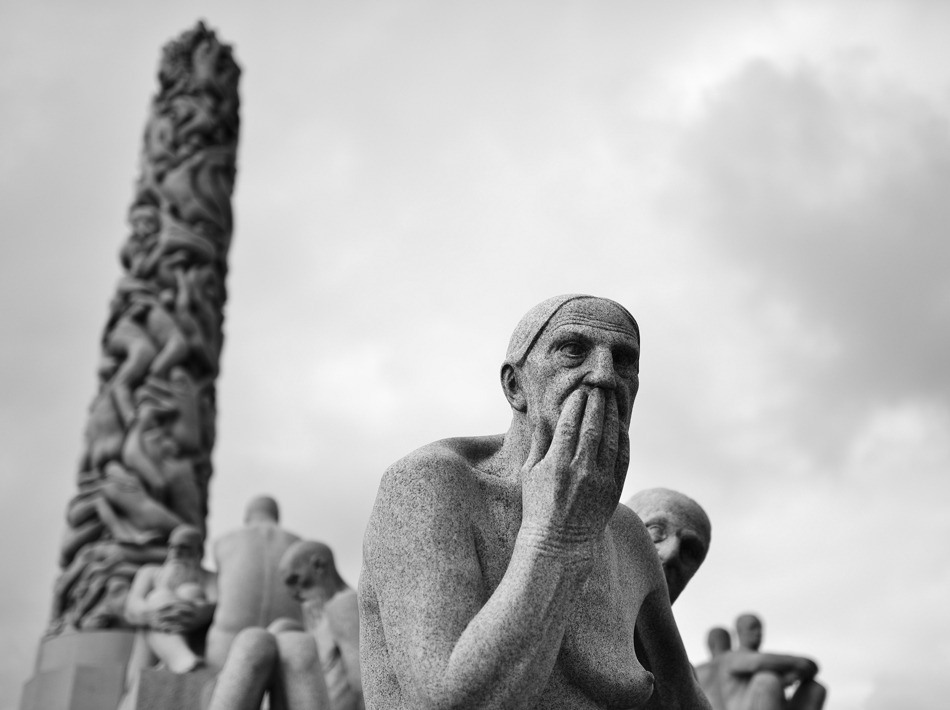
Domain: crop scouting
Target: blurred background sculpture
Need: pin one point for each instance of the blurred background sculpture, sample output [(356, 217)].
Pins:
[(151, 426), (173, 603), (309, 666), (719, 643), (251, 591), (680, 530), (751, 680)]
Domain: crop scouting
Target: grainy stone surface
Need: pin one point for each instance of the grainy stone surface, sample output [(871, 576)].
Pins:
[(499, 571), (250, 589)]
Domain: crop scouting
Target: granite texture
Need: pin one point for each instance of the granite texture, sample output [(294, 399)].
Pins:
[(751, 680), (251, 591), (680, 530), (500, 571), (150, 429)]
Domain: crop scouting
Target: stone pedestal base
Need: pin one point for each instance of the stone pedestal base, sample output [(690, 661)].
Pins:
[(79, 671), (164, 690)]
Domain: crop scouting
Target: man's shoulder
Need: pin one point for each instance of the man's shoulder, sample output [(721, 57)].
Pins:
[(454, 459)]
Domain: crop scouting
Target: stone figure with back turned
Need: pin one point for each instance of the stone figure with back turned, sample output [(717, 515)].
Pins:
[(751, 680), (500, 571), (313, 666), (174, 602), (250, 589)]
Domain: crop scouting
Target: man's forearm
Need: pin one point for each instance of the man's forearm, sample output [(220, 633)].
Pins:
[(506, 654)]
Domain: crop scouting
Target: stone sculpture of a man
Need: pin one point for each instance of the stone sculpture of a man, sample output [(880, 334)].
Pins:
[(309, 666), (680, 530), (250, 589), (751, 680), (500, 571), (174, 602), (719, 643)]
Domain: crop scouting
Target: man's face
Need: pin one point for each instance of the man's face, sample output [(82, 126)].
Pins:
[(681, 538), (588, 343), (749, 631), (307, 577), (184, 550)]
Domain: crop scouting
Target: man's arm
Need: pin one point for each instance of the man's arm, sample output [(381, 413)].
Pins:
[(137, 611), (452, 644), (789, 668), (343, 616)]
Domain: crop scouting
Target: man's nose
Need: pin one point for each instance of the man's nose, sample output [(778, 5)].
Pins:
[(602, 373)]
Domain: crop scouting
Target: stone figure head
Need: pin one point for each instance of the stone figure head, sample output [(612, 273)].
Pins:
[(718, 641), (749, 632), (309, 572), (680, 530), (566, 343), (262, 508), (185, 543)]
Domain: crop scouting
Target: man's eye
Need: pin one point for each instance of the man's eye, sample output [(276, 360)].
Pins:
[(573, 349)]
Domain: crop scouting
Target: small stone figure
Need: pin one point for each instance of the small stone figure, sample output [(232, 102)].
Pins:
[(331, 615), (680, 530), (174, 602), (719, 643), (251, 591), (751, 680), (501, 571), (314, 666)]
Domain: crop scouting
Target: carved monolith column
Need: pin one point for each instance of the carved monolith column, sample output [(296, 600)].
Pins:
[(150, 431)]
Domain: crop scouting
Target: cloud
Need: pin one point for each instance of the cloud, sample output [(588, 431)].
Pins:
[(827, 188)]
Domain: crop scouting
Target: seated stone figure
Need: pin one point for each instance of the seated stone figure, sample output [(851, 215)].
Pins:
[(719, 643), (500, 571), (174, 602), (250, 589), (750, 680), (680, 530), (313, 666)]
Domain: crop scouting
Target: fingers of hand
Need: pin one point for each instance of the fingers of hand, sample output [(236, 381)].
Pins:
[(540, 443), (607, 453), (566, 433), (592, 427)]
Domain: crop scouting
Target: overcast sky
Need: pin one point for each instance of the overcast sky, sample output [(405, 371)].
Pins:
[(765, 185)]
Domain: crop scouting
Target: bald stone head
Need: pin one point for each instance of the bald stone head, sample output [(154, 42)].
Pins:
[(565, 344), (262, 508), (185, 543), (309, 571), (718, 641), (749, 632), (680, 530)]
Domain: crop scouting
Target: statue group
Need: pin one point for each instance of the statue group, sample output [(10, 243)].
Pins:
[(499, 571)]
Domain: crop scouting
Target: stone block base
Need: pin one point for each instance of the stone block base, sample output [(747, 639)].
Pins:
[(164, 690), (79, 671)]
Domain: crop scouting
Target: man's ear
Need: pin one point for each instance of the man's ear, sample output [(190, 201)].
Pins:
[(512, 386)]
